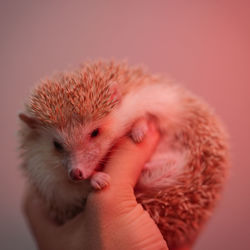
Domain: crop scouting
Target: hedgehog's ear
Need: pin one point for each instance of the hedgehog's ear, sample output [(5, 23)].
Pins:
[(30, 121), (115, 93)]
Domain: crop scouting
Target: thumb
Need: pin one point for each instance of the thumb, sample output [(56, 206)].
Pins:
[(127, 161)]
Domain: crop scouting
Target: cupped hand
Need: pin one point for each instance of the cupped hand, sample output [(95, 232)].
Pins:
[(112, 218)]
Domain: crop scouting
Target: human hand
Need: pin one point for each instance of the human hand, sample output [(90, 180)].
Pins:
[(112, 219)]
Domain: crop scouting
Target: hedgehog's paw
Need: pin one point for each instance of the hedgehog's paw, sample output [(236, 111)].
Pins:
[(100, 180), (139, 130)]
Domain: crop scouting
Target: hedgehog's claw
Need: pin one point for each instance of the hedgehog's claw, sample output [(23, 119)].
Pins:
[(100, 180), (139, 130)]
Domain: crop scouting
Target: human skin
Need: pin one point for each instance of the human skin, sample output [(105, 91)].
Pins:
[(112, 219)]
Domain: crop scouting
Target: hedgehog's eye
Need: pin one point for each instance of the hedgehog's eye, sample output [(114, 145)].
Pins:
[(95, 132), (58, 146)]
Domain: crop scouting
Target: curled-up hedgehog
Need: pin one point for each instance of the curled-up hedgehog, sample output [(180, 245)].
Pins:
[(72, 121)]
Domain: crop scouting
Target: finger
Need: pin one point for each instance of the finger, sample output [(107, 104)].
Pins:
[(47, 233), (127, 161), (37, 216)]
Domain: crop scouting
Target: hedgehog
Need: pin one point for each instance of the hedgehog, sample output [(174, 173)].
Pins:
[(72, 121)]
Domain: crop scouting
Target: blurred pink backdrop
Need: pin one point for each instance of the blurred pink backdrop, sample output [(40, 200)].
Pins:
[(202, 44)]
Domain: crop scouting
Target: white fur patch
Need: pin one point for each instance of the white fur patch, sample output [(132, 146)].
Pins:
[(163, 169), (161, 100), (164, 102)]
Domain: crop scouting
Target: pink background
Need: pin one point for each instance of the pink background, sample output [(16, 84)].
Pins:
[(203, 44)]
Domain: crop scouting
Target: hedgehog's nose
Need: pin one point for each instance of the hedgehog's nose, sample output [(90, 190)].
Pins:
[(76, 174)]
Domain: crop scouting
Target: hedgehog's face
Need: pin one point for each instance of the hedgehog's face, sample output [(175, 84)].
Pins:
[(83, 148), (72, 153), (68, 115)]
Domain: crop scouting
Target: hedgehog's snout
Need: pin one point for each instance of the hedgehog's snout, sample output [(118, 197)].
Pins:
[(76, 174)]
